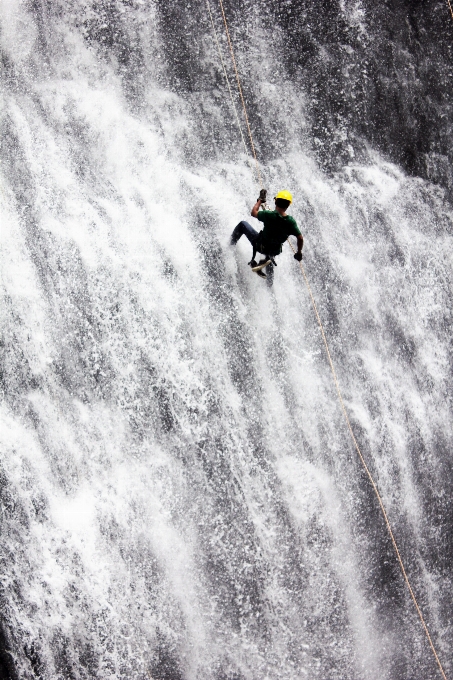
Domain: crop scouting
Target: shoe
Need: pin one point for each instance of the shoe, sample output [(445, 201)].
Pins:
[(253, 263), (261, 264)]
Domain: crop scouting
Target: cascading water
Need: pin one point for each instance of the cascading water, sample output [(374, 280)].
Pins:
[(180, 497)]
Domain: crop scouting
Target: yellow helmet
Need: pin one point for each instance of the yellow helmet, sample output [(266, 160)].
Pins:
[(285, 195)]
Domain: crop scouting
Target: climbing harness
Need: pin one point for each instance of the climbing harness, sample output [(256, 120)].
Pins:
[(323, 334), (258, 247)]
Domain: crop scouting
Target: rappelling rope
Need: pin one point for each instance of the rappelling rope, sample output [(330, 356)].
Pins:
[(238, 80), (337, 385), (370, 477), (451, 9), (247, 152)]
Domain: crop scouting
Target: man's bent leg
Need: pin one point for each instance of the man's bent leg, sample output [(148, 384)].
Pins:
[(246, 229)]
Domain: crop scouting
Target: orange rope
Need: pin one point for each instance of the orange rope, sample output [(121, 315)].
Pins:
[(241, 95), (370, 477), (247, 152), (337, 385), (451, 10)]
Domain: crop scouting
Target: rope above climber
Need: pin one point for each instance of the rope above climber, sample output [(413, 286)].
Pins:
[(277, 227)]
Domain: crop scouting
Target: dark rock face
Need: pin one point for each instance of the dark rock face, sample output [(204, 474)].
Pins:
[(7, 669), (377, 74), (371, 76)]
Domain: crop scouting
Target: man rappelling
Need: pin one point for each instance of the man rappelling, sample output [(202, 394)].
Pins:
[(277, 227)]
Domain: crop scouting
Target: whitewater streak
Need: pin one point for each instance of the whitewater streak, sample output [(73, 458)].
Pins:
[(179, 496)]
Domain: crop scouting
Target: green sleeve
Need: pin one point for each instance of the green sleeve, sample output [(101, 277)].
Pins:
[(295, 231), (261, 215)]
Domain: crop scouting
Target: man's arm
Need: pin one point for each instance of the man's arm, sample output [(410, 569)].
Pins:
[(256, 208), (300, 245)]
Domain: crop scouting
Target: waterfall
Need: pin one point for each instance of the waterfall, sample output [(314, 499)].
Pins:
[(180, 496)]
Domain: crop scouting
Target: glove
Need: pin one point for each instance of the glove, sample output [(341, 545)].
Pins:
[(262, 196), (298, 257)]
